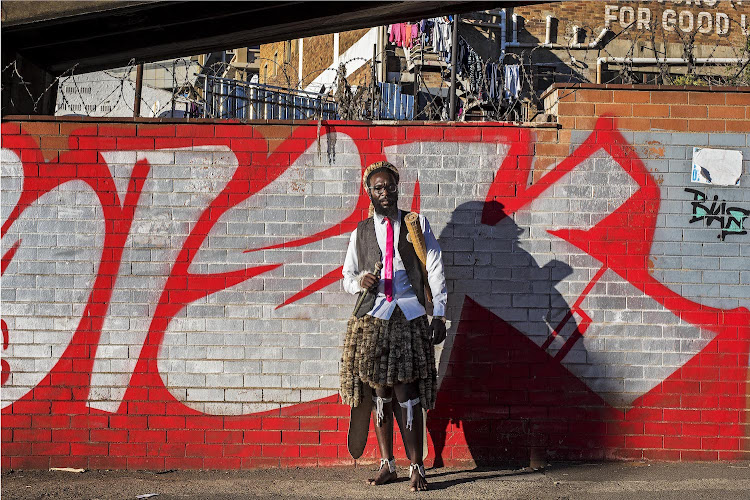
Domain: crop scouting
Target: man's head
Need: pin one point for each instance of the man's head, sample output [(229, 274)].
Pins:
[(381, 183)]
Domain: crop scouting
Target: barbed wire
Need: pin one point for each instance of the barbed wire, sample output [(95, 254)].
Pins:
[(351, 90)]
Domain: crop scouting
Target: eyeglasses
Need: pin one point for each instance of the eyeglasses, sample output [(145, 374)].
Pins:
[(380, 188)]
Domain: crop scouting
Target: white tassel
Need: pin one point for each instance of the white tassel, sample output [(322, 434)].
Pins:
[(379, 405), (409, 405)]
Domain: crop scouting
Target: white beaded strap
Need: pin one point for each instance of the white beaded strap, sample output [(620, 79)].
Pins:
[(409, 405), (419, 468), (379, 402), (390, 463)]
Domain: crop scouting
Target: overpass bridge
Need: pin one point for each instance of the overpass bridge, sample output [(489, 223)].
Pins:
[(46, 38)]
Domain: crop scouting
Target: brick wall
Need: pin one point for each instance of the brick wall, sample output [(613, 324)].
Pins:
[(172, 296)]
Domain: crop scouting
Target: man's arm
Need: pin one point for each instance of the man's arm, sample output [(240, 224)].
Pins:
[(435, 272), (351, 267), (436, 282)]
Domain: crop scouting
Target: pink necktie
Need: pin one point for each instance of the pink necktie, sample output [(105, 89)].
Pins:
[(388, 266)]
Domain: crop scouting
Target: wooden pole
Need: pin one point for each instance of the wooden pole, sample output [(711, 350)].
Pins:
[(138, 90)]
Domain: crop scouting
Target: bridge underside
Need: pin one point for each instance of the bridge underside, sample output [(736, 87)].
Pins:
[(48, 38)]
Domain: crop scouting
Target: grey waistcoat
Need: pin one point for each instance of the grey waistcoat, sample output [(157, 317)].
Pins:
[(368, 254)]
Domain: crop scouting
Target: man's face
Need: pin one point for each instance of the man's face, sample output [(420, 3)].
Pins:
[(384, 201)]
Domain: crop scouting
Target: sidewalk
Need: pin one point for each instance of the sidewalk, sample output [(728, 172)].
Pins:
[(565, 480)]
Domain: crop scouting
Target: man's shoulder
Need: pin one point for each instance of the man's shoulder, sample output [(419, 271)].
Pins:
[(365, 222)]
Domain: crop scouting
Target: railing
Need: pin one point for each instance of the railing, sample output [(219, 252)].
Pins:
[(235, 99), (227, 98)]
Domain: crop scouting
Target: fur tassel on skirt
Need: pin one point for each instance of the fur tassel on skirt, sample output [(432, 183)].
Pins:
[(384, 353)]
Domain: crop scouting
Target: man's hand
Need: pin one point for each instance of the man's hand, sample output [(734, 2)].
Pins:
[(368, 281), (438, 329)]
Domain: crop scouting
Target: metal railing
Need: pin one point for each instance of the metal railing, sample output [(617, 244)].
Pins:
[(227, 98)]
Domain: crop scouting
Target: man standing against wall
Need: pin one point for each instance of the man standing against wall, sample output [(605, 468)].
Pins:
[(388, 351)]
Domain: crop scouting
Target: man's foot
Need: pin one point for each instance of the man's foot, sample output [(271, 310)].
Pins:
[(417, 480), (386, 473)]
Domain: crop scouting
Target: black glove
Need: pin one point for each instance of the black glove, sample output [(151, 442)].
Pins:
[(438, 329)]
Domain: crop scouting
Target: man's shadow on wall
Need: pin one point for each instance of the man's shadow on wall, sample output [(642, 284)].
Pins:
[(500, 391)]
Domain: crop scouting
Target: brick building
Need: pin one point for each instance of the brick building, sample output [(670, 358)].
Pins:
[(647, 42)]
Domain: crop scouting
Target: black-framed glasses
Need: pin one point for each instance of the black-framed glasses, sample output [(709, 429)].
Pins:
[(380, 188)]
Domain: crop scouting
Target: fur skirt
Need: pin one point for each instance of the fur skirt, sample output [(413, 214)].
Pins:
[(384, 353)]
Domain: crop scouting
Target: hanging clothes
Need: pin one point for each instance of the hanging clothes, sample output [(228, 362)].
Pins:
[(512, 80)]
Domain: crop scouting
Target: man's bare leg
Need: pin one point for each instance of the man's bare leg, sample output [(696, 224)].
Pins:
[(406, 394), (384, 433)]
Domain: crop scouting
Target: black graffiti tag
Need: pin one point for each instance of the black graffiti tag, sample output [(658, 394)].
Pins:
[(730, 219)]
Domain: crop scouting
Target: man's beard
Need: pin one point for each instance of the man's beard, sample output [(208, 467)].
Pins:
[(389, 211)]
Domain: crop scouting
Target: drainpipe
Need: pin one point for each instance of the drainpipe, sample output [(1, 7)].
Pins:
[(454, 55), (548, 31), (503, 33), (665, 60), (514, 39)]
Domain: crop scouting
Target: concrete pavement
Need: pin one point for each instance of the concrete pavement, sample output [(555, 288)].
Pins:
[(564, 480)]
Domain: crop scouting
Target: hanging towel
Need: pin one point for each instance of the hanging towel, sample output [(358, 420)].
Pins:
[(512, 80)]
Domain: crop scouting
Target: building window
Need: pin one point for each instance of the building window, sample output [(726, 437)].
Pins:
[(265, 73), (288, 51), (275, 63)]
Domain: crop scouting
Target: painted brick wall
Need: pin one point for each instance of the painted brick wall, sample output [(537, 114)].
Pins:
[(172, 298)]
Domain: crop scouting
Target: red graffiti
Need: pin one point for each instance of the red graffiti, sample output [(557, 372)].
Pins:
[(484, 402)]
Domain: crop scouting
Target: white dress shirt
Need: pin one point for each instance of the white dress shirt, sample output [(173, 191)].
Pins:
[(403, 293)]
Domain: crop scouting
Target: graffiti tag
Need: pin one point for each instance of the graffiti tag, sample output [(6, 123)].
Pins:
[(730, 219)]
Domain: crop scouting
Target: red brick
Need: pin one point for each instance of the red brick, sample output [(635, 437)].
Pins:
[(652, 110), (172, 142), (194, 131), (108, 462), (48, 449), (32, 435), (713, 98), (117, 130), (662, 455), (147, 436), (202, 422), (223, 436), (669, 97), (204, 450), (424, 134), (723, 416), (280, 450), (186, 436), (242, 450), (615, 109), (576, 109), (590, 95), (29, 462), (706, 125), (727, 112), (262, 437), (685, 111), (154, 130), (632, 96), (70, 435), (694, 456), (737, 99), (300, 437), (280, 423), (41, 128), (386, 132), (237, 131), (108, 435), (674, 124), (129, 422), (89, 449)]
